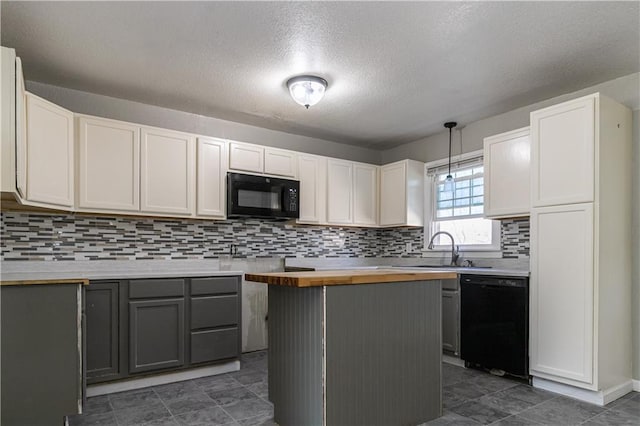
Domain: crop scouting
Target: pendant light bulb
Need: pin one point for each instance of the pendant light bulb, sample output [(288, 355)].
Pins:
[(449, 183)]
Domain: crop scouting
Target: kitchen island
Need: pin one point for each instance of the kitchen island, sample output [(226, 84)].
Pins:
[(360, 347)]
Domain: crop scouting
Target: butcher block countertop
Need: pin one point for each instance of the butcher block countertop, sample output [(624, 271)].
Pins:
[(346, 276), (81, 281)]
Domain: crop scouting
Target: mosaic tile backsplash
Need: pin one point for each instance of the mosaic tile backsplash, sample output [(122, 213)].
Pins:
[(31, 236)]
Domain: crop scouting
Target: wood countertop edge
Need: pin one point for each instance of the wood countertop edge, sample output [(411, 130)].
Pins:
[(341, 277), (79, 281)]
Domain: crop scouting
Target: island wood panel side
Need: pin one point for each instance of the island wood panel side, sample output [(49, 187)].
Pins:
[(295, 355), (383, 353)]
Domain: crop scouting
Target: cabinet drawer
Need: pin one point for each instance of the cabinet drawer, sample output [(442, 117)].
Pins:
[(139, 289), (214, 345), (214, 311), (214, 285)]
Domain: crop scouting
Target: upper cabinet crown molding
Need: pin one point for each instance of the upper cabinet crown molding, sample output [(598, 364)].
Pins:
[(50, 153), (507, 167)]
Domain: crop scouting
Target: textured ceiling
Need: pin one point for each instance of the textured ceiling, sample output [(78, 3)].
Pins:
[(396, 70)]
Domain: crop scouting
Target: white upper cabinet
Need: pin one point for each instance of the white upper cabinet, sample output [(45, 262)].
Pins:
[(402, 194), (13, 150), (339, 191), (211, 179), (352, 193), (506, 174), (246, 157), (49, 153), (562, 153), (280, 162), (167, 176), (312, 172), (108, 165), (8, 92), (365, 194), (21, 131)]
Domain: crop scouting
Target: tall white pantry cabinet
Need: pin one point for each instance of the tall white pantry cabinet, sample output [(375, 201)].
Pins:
[(580, 292)]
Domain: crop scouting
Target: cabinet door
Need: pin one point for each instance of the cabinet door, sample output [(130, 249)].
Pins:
[(312, 173), (450, 321), (210, 181), (156, 334), (108, 164), (167, 175), (101, 301), (279, 162), (365, 194), (49, 153), (21, 131), (506, 174), (561, 292), (246, 157), (339, 191), (393, 197), (562, 153)]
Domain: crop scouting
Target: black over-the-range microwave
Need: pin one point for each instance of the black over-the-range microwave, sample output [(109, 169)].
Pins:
[(262, 196)]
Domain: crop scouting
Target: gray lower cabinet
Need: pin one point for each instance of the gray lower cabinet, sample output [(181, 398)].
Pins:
[(40, 351), (214, 319), (146, 325), (451, 317), (156, 334), (103, 345)]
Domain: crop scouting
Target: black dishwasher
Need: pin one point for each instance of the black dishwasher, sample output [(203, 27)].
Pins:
[(494, 317)]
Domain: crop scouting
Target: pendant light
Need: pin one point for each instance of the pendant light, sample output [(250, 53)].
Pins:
[(448, 183)]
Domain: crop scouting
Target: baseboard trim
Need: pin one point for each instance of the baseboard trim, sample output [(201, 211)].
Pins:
[(636, 385), (600, 398), (162, 379), (452, 360)]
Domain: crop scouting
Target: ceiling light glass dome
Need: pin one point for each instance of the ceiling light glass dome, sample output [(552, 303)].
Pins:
[(307, 90)]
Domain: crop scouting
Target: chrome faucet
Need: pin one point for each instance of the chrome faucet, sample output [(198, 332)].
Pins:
[(454, 249)]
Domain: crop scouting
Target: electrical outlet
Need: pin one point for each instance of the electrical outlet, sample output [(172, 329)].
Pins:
[(408, 247)]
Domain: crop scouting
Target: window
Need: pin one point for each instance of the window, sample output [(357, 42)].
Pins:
[(457, 208)]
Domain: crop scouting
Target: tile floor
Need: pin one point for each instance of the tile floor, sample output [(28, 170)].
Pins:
[(470, 397), (473, 397)]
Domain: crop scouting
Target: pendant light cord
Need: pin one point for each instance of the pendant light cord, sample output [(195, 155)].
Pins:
[(449, 175), (450, 125)]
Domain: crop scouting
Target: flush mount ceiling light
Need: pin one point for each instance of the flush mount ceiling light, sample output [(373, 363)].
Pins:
[(307, 90)]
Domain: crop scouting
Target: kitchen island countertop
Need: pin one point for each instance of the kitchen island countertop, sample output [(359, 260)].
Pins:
[(347, 276)]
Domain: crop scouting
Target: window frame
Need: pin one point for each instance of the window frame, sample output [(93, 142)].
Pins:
[(430, 225)]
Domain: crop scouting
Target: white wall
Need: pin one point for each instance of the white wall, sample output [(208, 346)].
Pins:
[(120, 109)]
